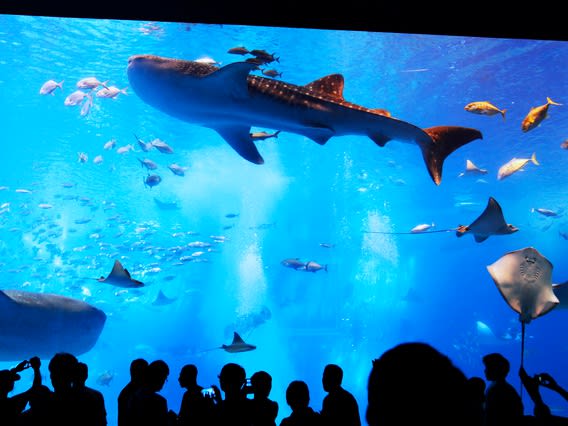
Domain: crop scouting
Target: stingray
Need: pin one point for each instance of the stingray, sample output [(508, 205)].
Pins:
[(162, 299), (561, 291), (490, 222), (120, 277), (524, 279), (238, 345)]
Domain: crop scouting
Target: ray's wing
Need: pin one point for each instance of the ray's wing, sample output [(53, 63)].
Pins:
[(237, 339), (491, 220), (118, 271), (524, 279)]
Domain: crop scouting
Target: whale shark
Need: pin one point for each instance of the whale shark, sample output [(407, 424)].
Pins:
[(230, 100), (42, 324)]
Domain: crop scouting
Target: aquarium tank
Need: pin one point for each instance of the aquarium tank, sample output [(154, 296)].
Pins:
[(324, 194)]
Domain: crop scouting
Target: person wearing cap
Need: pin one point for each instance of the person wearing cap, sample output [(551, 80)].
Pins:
[(11, 408)]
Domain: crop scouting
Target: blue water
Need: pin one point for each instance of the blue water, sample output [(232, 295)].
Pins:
[(304, 195)]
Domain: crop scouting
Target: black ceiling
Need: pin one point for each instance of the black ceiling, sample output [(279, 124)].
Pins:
[(493, 19)]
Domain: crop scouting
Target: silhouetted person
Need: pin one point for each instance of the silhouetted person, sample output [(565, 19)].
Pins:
[(339, 406), (137, 377), (541, 411), (298, 398), (235, 408), (503, 405), (264, 410), (195, 408), (63, 407), (91, 400), (414, 383), (12, 408), (476, 400), (147, 407)]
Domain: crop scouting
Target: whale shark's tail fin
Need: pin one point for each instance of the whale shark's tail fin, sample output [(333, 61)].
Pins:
[(445, 140)]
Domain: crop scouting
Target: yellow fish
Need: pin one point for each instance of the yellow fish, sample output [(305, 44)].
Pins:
[(514, 165), (536, 115), (484, 108)]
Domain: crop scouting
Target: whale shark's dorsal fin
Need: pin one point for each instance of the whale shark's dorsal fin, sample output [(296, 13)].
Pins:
[(233, 76), (332, 85), (237, 339)]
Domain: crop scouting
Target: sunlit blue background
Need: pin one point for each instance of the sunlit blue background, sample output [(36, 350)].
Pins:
[(304, 195)]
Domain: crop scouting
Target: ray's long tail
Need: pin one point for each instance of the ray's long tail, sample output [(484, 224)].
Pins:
[(411, 233)]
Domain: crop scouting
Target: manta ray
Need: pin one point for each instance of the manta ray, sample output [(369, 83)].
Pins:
[(42, 324), (490, 222), (238, 345), (120, 277), (230, 101)]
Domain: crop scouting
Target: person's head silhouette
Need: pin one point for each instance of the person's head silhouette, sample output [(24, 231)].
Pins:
[(188, 376), (156, 375), (332, 377), (232, 379), (138, 369), (261, 383), (415, 383), (496, 367), (297, 395), (63, 371)]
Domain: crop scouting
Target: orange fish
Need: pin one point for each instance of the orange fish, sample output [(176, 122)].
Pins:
[(484, 108), (536, 115)]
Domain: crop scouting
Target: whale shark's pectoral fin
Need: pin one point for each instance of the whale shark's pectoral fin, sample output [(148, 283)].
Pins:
[(233, 77), (239, 139)]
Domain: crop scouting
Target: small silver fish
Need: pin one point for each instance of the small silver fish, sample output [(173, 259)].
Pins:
[(48, 88), (90, 83), (545, 212), (110, 144), (514, 165), (161, 146), (312, 266), (422, 228), (75, 98), (149, 164), (124, 149), (177, 170), (111, 92)]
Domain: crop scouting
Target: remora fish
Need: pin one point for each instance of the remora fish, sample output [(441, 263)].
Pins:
[(43, 324), (230, 101)]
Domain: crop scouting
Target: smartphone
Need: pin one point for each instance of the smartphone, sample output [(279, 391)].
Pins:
[(210, 392)]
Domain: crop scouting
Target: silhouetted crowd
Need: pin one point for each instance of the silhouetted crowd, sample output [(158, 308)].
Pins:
[(411, 383)]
